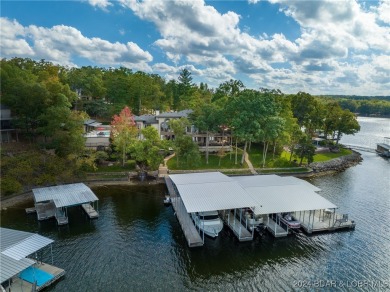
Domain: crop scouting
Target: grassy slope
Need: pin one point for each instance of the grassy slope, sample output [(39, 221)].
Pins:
[(227, 162), (255, 156)]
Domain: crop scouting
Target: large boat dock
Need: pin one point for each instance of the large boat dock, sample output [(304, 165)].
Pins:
[(264, 195)]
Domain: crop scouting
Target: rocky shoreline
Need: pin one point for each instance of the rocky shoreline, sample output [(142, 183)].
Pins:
[(318, 169), (337, 164)]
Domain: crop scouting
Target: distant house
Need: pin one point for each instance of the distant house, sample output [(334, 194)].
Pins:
[(144, 121), (163, 119), (91, 125), (97, 135), (8, 132), (216, 139)]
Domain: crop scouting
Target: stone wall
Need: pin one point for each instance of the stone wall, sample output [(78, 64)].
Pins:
[(337, 164)]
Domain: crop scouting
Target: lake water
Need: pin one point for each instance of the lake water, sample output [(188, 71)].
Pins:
[(137, 243)]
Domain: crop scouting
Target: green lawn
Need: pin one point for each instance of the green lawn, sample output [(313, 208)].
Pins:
[(330, 155), (255, 156), (227, 162)]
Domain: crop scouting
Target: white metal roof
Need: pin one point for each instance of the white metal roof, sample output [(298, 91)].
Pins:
[(275, 194), (10, 267), (65, 195), (268, 194), (15, 246), (199, 178), (272, 180), (27, 246), (279, 199), (211, 191)]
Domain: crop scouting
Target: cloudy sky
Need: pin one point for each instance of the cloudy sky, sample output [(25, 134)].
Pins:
[(321, 47)]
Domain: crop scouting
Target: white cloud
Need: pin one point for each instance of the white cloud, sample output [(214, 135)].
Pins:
[(12, 39), (61, 44), (327, 56), (384, 11), (197, 33), (253, 1), (102, 4), (331, 28)]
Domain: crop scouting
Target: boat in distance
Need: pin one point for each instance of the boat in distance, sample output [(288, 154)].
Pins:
[(208, 222), (289, 220)]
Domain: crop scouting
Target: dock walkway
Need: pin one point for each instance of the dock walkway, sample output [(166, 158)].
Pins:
[(319, 221), (238, 228), (90, 211), (20, 285), (275, 229), (188, 227)]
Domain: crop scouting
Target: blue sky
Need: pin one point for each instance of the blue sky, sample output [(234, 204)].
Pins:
[(320, 47)]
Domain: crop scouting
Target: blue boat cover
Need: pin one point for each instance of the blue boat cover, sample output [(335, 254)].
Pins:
[(32, 274)]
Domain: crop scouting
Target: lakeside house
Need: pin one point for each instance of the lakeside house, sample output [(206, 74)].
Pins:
[(160, 121), (98, 135)]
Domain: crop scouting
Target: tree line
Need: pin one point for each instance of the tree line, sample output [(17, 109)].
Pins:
[(50, 103)]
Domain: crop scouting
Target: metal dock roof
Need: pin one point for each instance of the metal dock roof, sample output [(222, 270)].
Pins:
[(276, 194), (15, 246), (65, 195), (210, 191), (272, 180), (268, 194)]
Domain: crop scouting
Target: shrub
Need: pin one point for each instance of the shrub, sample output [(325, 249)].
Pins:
[(9, 186), (130, 164)]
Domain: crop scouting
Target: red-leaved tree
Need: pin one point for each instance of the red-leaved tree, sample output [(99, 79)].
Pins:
[(123, 131)]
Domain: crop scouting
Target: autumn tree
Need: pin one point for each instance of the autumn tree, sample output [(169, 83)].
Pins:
[(123, 131)]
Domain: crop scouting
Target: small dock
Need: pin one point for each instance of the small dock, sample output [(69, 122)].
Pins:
[(237, 227), (322, 221), (20, 285), (90, 211), (275, 229), (190, 232), (54, 201)]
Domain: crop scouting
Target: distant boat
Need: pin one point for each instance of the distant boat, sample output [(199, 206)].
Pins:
[(167, 201), (289, 220), (208, 222), (383, 149)]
